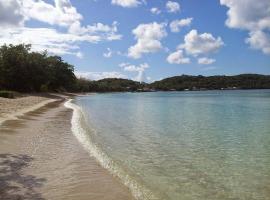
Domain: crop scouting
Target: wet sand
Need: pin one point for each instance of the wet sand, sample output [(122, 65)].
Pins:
[(41, 159)]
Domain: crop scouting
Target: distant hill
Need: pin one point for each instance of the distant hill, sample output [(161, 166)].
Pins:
[(179, 83), (23, 70), (110, 85), (185, 82), (116, 85)]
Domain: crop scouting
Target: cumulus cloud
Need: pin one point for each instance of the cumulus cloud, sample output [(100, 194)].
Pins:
[(102, 31), (259, 40), (99, 75), (148, 39), (176, 25), (172, 6), (247, 14), (62, 13), (140, 69), (133, 68), (177, 57), (11, 13), (195, 44), (206, 61), (14, 14), (155, 11), (253, 16), (126, 3)]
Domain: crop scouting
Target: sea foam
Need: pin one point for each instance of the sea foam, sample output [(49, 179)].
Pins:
[(81, 132)]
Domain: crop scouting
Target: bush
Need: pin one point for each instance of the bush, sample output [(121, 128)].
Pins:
[(7, 94), (26, 71)]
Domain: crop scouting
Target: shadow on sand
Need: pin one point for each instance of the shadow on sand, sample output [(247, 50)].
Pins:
[(14, 184)]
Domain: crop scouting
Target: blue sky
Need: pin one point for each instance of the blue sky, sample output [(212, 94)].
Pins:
[(145, 40)]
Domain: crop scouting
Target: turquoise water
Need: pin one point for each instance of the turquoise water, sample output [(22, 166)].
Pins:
[(208, 145)]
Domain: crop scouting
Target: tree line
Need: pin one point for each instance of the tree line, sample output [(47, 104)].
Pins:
[(23, 70), (185, 82), (26, 71)]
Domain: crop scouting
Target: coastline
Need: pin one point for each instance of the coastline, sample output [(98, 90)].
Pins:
[(79, 129), (11, 109), (41, 159)]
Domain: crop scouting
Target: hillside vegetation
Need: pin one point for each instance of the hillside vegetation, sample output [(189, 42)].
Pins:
[(26, 71), (184, 82)]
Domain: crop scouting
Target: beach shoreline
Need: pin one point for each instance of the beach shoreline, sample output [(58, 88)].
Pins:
[(11, 109), (41, 159)]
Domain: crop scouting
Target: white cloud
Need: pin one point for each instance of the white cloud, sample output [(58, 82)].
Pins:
[(206, 61), (96, 28), (10, 13), (204, 43), (133, 68), (248, 14), (62, 13), (253, 16), (108, 54), (140, 77), (126, 3), (177, 57), (14, 14), (172, 6), (140, 69), (259, 40), (148, 39), (155, 11), (176, 25), (47, 38), (99, 75), (41, 39)]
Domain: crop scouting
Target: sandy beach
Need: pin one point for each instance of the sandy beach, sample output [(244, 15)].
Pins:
[(12, 108), (41, 159)]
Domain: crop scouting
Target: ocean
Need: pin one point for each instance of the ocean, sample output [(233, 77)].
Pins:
[(193, 145)]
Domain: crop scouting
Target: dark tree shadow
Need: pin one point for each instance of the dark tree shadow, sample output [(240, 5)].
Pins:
[(13, 183)]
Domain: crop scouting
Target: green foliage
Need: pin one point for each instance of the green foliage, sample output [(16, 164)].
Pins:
[(108, 85), (117, 85), (243, 81), (7, 94), (83, 85), (26, 71)]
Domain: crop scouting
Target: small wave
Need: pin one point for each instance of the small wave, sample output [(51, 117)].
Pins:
[(77, 124)]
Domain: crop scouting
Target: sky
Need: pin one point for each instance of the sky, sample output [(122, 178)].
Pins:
[(144, 40)]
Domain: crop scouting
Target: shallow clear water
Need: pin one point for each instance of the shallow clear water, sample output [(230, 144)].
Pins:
[(187, 145)]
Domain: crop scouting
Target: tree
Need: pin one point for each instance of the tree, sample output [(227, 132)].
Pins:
[(26, 71)]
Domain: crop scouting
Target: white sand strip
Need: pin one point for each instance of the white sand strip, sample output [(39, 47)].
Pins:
[(15, 115)]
